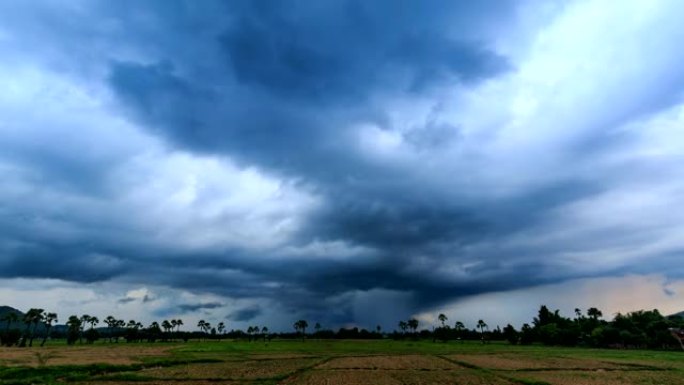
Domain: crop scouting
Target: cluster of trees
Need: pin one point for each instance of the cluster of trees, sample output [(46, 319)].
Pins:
[(32, 320), (641, 329)]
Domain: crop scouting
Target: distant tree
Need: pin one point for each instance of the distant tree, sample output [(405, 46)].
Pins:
[(74, 325), (510, 334), (482, 326), (201, 325), (179, 323), (167, 326), (594, 313), (403, 326), (317, 327), (378, 329), (301, 325), (48, 319), (111, 323), (221, 328), (413, 324), (442, 318), (31, 319), (85, 319), (459, 327), (10, 318), (264, 332)]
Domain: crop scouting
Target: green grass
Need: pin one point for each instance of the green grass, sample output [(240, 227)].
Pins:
[(670, 364)]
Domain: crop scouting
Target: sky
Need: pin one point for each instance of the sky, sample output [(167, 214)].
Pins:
[(348, 162)]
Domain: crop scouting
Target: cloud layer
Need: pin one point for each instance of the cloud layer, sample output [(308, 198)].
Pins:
[(321, 159)]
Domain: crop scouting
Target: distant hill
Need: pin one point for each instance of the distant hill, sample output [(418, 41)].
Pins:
[(680, 314), (4, 310)]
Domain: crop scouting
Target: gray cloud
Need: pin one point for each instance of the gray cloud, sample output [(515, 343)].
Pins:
[(398, 151)]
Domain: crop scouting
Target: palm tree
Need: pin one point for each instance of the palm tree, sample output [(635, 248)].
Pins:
[(32, 318), (111, 322), (403, 326), (48, 319), (74, 324), (201, 324), (459, 326), (120, 324), (442, 318), (301, 325), (93, 321), (179, 323), (594, 313), (482, 325), (221, 328), (413, 324), (167, 326), (264, 332), (10, 318), (85, 318)]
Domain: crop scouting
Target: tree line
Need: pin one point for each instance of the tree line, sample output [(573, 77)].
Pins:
[(640, 329)]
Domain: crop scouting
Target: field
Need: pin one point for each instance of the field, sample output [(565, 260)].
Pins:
[(336, 362)]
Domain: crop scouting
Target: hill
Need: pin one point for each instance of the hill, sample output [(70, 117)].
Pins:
[(4, 310), (680, 314)]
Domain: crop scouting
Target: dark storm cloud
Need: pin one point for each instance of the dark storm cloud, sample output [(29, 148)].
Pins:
[(282, 88), (191, 307), (245, 314)]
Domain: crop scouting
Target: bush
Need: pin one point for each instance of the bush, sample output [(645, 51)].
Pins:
[(10, 337)]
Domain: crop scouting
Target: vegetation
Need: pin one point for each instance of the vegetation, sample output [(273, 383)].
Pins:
[(637, 330)]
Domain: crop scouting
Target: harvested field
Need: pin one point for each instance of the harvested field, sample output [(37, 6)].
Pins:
[(389, 362), (396, 377), (291, 362), (231, 370), (600, 377), (123, 354), (512, 362)]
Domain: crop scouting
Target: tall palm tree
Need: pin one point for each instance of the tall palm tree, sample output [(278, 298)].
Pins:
[(459, 326), (111, 322), (442, 318), (74, 324), (413, 324), (482, 326), (264, 332), (403, 326), (179, 323), (85, 318), (594, 313), (221, 328), (93, 321), (10, 318), (301, 325), (48, 319), (166, 325), (31, 319)]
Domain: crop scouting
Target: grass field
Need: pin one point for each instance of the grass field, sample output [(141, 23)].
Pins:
[(336, 362)]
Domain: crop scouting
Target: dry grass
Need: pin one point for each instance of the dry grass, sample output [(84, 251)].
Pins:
[(231, 370), (394, 377), (389, 362), (504, 362), (599, 377), (80, 355)]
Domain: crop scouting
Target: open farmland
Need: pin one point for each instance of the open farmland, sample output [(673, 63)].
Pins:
[(336, 362)]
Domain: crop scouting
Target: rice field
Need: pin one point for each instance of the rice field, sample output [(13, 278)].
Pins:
[(336, 362)]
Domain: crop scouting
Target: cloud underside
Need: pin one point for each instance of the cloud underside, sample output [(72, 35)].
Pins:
[(321, 156)]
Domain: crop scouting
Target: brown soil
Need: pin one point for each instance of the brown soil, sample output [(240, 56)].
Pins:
[(599, 377), (394, 377), (389, 362), (502, 362), (79, 355), (231, 370)]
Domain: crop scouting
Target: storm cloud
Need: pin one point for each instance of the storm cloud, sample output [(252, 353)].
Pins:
[(318, 157)]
